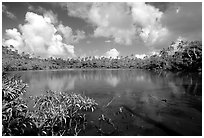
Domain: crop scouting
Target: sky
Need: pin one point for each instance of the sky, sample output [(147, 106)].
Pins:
[(113, 29)]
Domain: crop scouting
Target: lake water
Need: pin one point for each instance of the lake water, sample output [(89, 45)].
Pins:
[(138, 102)]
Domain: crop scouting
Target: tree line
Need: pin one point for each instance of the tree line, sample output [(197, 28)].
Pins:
[(184, 56)]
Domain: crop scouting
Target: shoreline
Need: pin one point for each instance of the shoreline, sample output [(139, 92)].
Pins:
[(71, 69), (87, 69)]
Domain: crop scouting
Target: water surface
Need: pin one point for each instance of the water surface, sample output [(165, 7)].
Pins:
[(151, 103)]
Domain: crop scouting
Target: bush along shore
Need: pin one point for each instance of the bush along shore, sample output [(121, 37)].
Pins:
[(182, 56), (54, 114)]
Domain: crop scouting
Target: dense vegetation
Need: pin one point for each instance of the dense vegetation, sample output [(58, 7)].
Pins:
[(182, 56), (53, 114)]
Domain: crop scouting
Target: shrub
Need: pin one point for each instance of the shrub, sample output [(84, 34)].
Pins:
[(61, 113), (54, 113), (14, 108)]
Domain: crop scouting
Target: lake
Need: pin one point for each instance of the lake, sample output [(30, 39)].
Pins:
[(138, 102)]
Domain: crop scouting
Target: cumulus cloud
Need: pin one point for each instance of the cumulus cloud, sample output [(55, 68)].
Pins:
[(48, 14), (14, 38), (33, 38), (68, 35), (123, 22), (112, 53), (44, 43), (112, 21), (148, 19), (8, 13)]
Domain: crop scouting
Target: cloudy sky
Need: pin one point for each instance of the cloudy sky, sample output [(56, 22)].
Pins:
[(98, 29)]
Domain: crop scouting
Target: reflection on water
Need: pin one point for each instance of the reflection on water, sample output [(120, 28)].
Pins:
[(112, 80), (163, 104)]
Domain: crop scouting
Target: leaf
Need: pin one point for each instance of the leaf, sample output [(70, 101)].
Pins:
[(92, 109), (24, 125), (44, 133), (103, 117)]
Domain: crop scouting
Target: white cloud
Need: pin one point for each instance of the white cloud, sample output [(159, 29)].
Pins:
[(144, 14), (108, 41), (68, 35), (112, 21), (96, 56), (8, 13), (148, 19), (154, 53), (48, 14), (78, 36), (151, 34), (112, 53), (66, 31), (123, 22), (13, 37), (141, 56), (176, 44), (77, 9), (39, 36)]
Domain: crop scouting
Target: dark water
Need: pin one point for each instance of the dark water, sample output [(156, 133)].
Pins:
[(150, 103)]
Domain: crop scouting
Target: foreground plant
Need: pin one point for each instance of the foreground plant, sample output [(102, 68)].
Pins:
[(14, 109), (61, 113), (54, 113)]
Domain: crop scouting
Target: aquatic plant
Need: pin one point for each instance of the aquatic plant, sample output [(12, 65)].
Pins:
[(54, 113), (14, 108), (104, 121), (61, 113), (12, 88)]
